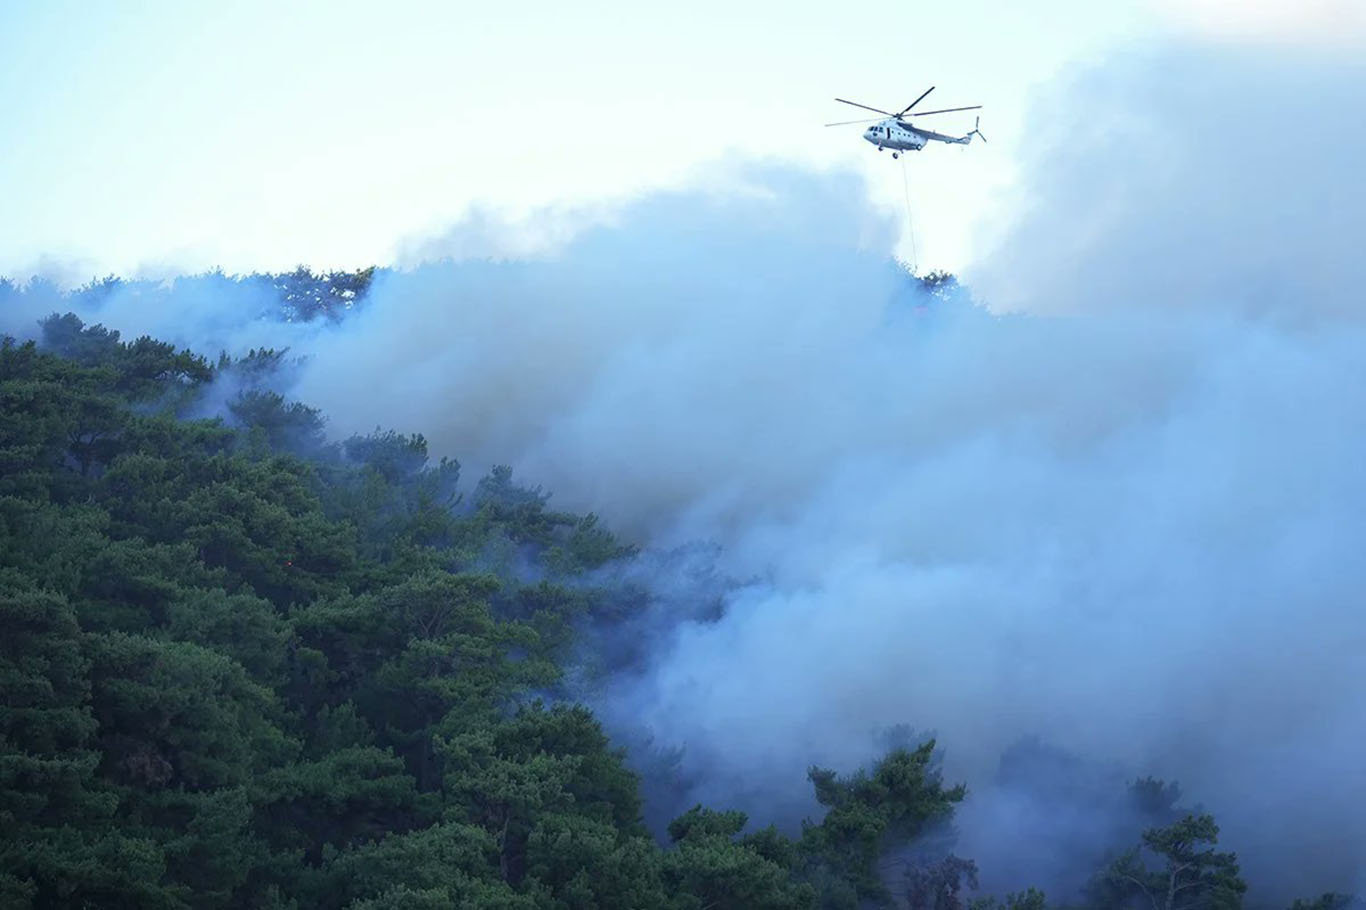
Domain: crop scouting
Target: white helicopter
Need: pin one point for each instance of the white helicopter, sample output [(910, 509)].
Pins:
[(897, 133)]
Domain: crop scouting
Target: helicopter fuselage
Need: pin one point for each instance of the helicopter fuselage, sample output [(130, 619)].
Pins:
[(897, 133), (889, 134)]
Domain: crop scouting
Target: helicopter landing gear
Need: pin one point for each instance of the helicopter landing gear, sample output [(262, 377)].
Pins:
[(896, 155)]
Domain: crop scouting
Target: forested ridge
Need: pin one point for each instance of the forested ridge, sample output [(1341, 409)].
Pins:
[(245, 666)]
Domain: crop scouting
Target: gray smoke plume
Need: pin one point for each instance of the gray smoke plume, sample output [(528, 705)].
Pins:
[(1126, 518), (1126, 521), (208, 313)]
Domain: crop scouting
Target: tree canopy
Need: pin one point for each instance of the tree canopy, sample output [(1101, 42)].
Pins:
[(245, 666)]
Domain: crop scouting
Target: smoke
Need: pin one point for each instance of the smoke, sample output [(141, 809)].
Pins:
[(1127, 522), (1192, 179), (1126, 519), (208, 313), (1316, 23)]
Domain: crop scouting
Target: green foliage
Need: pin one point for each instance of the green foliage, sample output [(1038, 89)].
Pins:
[(510, 517), (176, 714), (724, 870), (939, 885), (47, 762), (720, 873), (1030, 899), (281, 424), (586, 864), (699, 822), (504, 776), (346, 797), (306, 295), (68, 336), (239, 676), (246, 667), (1328, 901), (452, 860), (141, 369), (1176, 868), (869, 813), (396, 458), (242, 626)]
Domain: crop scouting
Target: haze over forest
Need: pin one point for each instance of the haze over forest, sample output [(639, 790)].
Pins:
[(554, 564)]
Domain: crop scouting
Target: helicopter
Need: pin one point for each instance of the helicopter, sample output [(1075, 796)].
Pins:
[(896, 132)]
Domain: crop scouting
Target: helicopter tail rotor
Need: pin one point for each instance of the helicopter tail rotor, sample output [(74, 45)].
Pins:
[(976, 132)]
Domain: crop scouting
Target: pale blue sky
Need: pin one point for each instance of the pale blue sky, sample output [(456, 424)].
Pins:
[(160, 136)]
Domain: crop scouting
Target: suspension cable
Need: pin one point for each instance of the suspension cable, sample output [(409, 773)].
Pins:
[(910, 223)]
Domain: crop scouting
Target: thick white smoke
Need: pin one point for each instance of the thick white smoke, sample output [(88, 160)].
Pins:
[(1127, 521), (1125, 518), (1192, 179), (208, 313)]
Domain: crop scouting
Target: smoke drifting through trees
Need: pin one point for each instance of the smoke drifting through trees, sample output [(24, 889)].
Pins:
[(1130, 528)]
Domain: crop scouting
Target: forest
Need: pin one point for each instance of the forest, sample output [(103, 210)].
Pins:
[(247, 665)]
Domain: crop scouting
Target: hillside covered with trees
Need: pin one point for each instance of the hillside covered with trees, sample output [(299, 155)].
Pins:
[(245, 666)]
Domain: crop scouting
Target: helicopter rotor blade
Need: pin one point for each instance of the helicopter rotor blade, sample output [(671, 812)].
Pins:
[(847, 122), (947, 110), (915, 102), (875, 110)]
